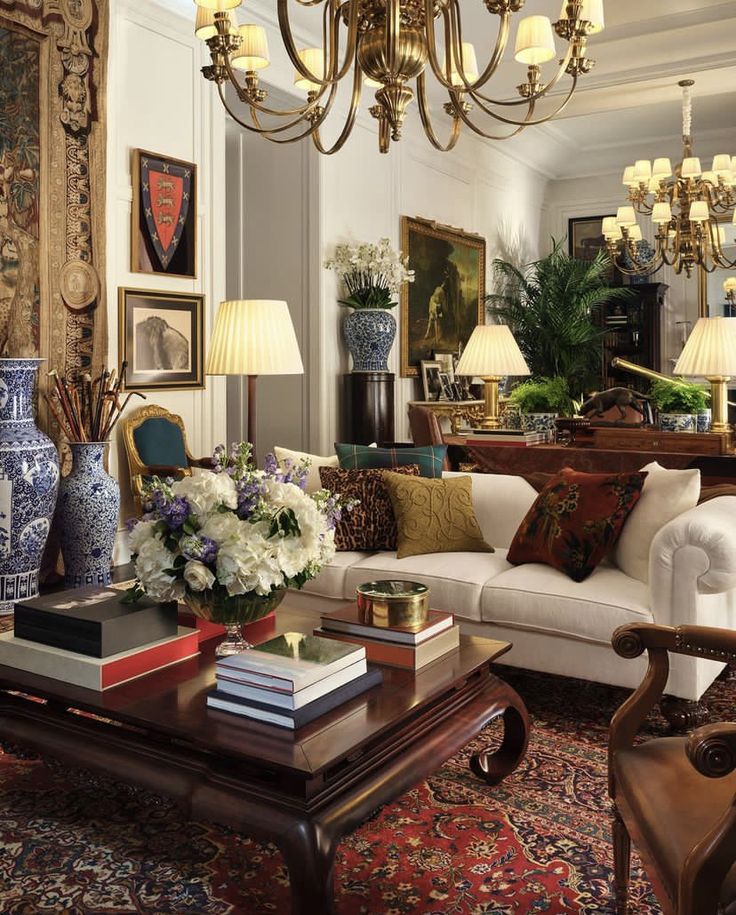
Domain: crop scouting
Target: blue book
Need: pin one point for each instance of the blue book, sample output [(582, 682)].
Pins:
[(286, 718)]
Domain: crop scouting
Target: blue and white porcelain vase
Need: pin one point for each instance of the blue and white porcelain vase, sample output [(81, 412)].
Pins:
[(89, 508), (29, 480), (539, 422), (369, 334), (703, 420), (678, 422)]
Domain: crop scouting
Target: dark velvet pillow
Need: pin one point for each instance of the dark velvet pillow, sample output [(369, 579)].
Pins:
[(575, 520), (371, 524)]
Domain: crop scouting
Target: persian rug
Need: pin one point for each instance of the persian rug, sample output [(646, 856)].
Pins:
[(537, 843)]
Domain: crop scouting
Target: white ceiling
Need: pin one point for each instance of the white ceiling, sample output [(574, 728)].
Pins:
[(629, 106)]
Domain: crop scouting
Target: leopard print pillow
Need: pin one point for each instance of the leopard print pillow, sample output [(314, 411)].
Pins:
[(371, 524)]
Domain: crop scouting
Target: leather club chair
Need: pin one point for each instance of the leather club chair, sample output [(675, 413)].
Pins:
[(425, 429), (674, 797)]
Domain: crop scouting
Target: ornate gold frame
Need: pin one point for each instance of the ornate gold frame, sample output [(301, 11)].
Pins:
[(74, 37), (703, 309), (448, 233)]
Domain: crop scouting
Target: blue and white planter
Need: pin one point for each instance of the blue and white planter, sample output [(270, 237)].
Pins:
[(678, 422), (369, 335), (89, 507), (703, 420), (29, 480), (539, 422)]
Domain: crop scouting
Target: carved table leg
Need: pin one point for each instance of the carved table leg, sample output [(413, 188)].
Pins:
[(309, 852), (621, 863), (493, 767), (683, 715)]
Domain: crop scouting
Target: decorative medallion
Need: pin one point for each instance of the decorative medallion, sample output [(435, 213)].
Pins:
[(165, 192), (79, 284)]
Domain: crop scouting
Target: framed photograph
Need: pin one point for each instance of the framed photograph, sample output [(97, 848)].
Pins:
[(161, 338), (711, 297), (446, 386), (447, 361), (431, 380), (446, 301), (164, 215), (585, 239)]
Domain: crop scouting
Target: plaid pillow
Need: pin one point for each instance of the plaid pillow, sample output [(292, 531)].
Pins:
[(429, 458)]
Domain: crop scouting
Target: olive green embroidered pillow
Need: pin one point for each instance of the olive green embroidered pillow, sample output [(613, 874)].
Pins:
[(434, 516)]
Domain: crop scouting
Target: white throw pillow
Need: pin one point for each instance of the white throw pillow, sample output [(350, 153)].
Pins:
[(665, 495), (316, 461)]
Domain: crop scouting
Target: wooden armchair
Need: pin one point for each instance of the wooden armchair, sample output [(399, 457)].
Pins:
[(156, 444), (675, 797)]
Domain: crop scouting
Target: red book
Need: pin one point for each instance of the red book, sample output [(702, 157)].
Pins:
[(97, 673), (411, 657)]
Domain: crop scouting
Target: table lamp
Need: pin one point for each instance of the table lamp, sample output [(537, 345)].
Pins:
[(492, 353), (710, 353), (253, 337)]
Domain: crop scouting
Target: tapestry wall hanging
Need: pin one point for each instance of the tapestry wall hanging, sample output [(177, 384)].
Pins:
[(164, 227), (53, 57), (446, 300)]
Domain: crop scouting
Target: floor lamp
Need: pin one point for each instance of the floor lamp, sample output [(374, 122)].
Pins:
[(492, 353), (710, 353), (253, 337)]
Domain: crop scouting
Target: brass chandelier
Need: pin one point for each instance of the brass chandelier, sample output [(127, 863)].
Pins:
[(686, 206), (390, 46)]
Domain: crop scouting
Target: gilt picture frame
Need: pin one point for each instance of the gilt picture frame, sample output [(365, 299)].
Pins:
[(585, 239), (446, 301), (161, 337), (164, 215)]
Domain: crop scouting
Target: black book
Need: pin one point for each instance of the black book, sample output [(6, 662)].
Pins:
[(286, 718), (94, 621)]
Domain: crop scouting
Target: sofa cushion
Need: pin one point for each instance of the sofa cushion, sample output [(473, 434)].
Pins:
[(500, 503), (430, 458), (455, 580), (285, 456), (543, 599), (434, 516), (331, 580), (575, 520)]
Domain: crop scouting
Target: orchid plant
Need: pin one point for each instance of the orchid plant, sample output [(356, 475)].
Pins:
[(372, 274)]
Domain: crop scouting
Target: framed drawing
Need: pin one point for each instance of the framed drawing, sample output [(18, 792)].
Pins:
[(164, 215), (446, 300), (431, 379), (711, 295), (585, 239), (161, 339)]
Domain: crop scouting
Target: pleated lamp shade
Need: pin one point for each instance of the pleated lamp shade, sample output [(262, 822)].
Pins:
[(710, 350), (218, 5), (492, 351), (254, 337)]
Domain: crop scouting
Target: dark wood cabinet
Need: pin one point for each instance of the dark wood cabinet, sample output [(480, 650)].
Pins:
[(368, 407), (633, 331)]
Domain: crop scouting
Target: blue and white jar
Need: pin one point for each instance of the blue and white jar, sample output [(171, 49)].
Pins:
[(539, 422), (89, 508), (703, 420), (512, 416), (369, 335), (29, 480), (678, 422)]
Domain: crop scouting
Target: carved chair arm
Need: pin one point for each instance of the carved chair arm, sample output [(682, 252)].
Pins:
[(206, 462), (164, 470), (712, 749)]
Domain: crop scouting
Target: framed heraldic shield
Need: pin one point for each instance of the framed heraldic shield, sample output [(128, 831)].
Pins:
[(164, 216), (161, 339), (446, 301)]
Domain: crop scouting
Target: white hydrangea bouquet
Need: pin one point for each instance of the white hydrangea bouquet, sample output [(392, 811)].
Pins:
[(228, 543), (372, 274)]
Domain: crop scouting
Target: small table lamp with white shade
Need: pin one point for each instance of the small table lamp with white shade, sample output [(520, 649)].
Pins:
[(492, 353), (710, 353), (253, 337)]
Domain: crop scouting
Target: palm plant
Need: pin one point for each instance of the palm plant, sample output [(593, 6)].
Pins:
[(550, 307)]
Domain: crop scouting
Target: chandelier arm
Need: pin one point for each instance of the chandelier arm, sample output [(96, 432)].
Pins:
[(349, 122), (502, 38), (527, 122), (464, 117), (267, 132), (291, 49), (427, 120)]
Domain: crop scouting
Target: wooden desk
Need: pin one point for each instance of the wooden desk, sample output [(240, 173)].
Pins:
[(493, 458)]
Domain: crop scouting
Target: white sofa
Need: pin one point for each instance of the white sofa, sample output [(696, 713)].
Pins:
[(557, 625)]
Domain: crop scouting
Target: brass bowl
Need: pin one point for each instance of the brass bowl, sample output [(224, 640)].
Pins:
[(393, 603)]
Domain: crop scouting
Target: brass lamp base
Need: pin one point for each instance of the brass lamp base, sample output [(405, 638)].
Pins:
[(490, 418), (719, 404)]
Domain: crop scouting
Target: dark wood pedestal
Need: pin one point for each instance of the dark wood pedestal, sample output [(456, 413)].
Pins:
[(369, 407)]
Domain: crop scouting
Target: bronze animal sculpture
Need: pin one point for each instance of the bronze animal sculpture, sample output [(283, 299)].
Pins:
[(599, 403)]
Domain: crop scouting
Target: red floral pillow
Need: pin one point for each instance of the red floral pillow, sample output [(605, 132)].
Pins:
[(575, 520)]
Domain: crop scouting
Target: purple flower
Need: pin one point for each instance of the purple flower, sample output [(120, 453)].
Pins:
[(175, 512), (130, 524), (203, 549), (271, 465), (250, 492)]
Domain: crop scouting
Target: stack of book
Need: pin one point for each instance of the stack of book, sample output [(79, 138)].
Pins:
[(395, 646), (292, 679), (511, 437), (90, 637)]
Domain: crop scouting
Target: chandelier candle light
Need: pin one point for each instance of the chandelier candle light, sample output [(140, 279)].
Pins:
[(685, 205), (390, 46)]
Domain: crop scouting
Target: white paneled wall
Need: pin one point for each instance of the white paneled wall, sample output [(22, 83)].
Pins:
[(158, 101)]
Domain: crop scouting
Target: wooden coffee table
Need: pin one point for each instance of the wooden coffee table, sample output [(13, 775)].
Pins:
[(302, 790)]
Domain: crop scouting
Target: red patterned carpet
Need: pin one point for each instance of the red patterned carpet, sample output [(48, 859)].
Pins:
[(538, 843)]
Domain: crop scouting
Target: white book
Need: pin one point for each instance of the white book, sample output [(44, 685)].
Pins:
[(288, 700)]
